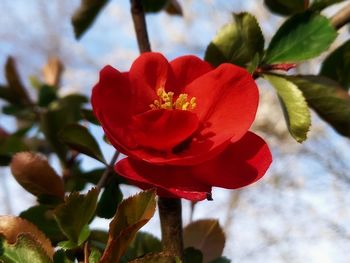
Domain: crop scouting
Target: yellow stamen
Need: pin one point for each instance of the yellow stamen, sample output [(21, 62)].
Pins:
[(165, 101)]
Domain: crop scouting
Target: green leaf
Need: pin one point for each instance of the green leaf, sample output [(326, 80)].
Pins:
[(301, 37), (42, 216), (295, 108), (131, 215), (86, 14), (98, 239), (143, 244), (237, 42), (192, 255), (25, 250), (110, 199), (207, 236), (151, 6), (61, 257), (94, 256), (89, 116), (79, 138), (283, 7), (318, 5), (337, 65), (220, 260), (47, 94), (75, 213), (9, 146), (157, 258), (328, 99)]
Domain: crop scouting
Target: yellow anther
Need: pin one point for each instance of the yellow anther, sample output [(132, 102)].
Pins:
[(165, 101)]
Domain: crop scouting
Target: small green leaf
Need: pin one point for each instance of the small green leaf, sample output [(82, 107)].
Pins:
[(131, 215), (321, 4), (47, 94), (283, 7), (328, 99), (237, 42), (110, 199), (42, 216), (86, 14), (157, 258), (337, 65), (220, 260), (61, 257), (94, 256), (79, 138), (25, 250), (89, 116), (192, 255), (301, 37), (295, 108), (9, 146), (143, 244), (75, 213), (207, 236)]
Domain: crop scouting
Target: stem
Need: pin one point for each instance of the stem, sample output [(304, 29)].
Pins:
[(138, 17), (171, 225), (107, 172), (341, 18)]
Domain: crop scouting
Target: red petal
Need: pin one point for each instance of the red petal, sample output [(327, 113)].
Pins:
[(111, 100), (227, 100), (169, 181), (163, 129), (148, 73), (240, 164), (186, 69)]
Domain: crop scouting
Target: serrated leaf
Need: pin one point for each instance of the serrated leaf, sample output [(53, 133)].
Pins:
[(157, 258), (337, 65), (94, 256), (86, 14), (25, 250), (143, 244), (321, 4), (301, 37), (295, 108), (328, 99), (79, 138), (75, 213), (283, 7), (131, 215), (110, 199), (237, 42), (192, 255), (42, 216), (207, 236)]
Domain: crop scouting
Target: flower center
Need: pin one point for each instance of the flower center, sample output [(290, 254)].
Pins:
[(166, 101)]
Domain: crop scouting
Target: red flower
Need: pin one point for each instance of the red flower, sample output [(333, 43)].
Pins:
[(184, 125)]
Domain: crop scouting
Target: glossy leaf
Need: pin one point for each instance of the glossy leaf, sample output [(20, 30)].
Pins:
[(301, 37), (192, 255), (42, 216), (86, 14), (337, 65), (75, 213), (328, 99), (131, 215), (25, 250), (207, 236), (237, 42), (80, 139), (283, 7), (110, 199), (157, 258), (321, 4), (295, 108)]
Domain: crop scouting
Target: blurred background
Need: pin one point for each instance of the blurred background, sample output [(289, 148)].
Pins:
[(299, 212)]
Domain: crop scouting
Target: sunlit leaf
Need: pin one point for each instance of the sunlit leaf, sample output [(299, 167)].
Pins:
[(94, 256), (207, 236), (131, 215), (75, 213), (237, 42), (80, 139), (295, 108), (337, 65), (301, 37), (52, 72)]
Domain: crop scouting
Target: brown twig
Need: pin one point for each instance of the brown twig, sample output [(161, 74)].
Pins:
[(341, 18), (107, 172), (138, 17), (171, 225)]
